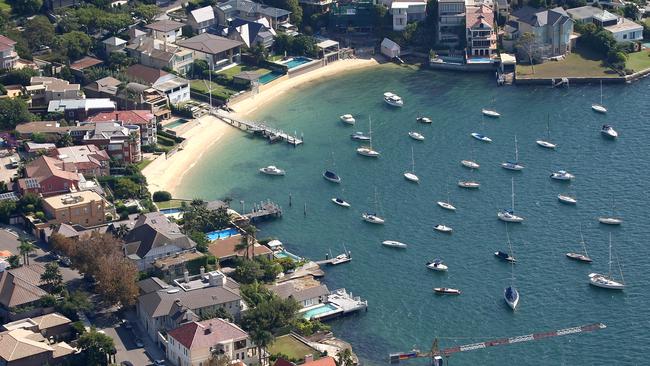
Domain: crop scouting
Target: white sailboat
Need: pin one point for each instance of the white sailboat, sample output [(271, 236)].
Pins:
[(510, 293), (394, 244), (373, 217), (607, 281), (580, 256), (416, 136), (447, 205), (600, 108), (411, 175), (368, 150), (610, 220), (509, 215), (565, 198), (544, 143), (470, 163), (513, 165), (490, 113)]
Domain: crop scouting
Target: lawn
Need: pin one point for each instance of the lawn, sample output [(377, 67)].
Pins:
[(292, 348), (580, 63), (230, 72), (638, 61), (218, 91), (169, 204), (4, 7)]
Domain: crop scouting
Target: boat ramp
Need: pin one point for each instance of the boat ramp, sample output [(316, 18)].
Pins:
[(273, 135)]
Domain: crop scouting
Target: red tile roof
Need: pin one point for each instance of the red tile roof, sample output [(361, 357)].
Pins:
[(6, 43), (45, 167), (325, 361), (149, 75), (282, 362), (225, 248), (85, 63), (207, 333), (138, 117)]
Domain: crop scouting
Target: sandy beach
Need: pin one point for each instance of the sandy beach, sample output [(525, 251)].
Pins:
[(166, 174)]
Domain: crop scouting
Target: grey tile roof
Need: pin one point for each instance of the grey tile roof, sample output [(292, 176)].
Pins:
[(209, 43), (166, 25), (153, 233)]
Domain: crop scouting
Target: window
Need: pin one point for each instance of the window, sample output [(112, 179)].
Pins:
[(625, 36)]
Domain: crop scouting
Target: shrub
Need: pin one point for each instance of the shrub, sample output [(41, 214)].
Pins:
[(161, 196)]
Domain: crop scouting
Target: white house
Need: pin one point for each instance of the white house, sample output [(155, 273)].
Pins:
[(176, 88), (196, 343), (165, 30), (201, 19), (8, 55), (626, 30), (389, 48), (405, 11)]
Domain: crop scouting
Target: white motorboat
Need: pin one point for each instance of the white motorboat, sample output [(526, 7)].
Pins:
[(446, 205), (509, 215), (609, 131), (359, 136), (599, 107), (446, 291), (566, 199), (607, 281), (393, 99), (341, 202), (394, 244), (437, 265), (513, 165), (348, 118), (481, 137), (443, 228), (410, 176), (416, 136), (372, 218), (468, 184), (340, 259), (580, 256), (368, 150), (610, 220), (490, 113), (470, 164), (562, 175), (272, 170), (423, 119), (511, 296), (505, 256), (546, 143)]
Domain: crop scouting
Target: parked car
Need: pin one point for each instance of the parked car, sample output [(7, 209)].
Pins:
[(139, 343), (126, 324), (126, 363)]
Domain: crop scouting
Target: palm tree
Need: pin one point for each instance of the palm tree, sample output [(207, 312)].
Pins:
[(26, 247), (243, 244), (261, 338), (121, 231)]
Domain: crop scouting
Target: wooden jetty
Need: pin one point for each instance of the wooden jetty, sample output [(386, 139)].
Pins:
[(264, 211), (271, 134)]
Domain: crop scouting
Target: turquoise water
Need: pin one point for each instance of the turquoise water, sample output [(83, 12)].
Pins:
[(285, 254), (403, 311), (297, 61), (268, 77), (322, 309), (221, 234), (169, 211)]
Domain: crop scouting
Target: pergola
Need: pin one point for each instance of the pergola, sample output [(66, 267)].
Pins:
[(329, 50)]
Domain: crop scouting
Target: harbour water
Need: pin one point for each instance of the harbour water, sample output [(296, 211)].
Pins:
[(403, 310)]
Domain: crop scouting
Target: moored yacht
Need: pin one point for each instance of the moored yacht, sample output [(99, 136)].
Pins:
[(490, 113), (359, 136), (562, 175), (508, 215), (567, 199), (423, 119), (272, 170), (609, 131), (341, 202), (607, 281), (505, 256), (416, 136), (437, 265), (348, 118), (368, 150), (331, 176), (481, 137), (470, 164), (394, 244), (468, 184), (511, 295), (546, 143), (443, 228), (446, 291), (393, 99), (446, 205), (372, 218)]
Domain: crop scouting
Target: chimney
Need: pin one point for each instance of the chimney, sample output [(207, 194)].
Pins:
[(186, 276), (208, 329), (309, 358), (117, 116)]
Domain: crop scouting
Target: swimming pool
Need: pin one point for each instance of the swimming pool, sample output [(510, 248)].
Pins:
[(479, 60), (178, 122), (285, 254), (222, 234), (268, 77), (319, 310), (170, 211), (297, 61)]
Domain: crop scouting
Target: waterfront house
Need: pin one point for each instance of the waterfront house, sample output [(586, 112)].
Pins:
[(626, 30), (407, 11), (161, 54), (49, 176), (356, 15), (225, 249), (53, 130), (186, 300), (451, 21), (308, 361), (481, 37), (552, 29), (307, 291), (43, 89), (88, 160), (122, 142), (251, 33), (166, 30), (143, 97), (591, 14), (201, 19), (249, 10), (173, 265), (217, 51), (80, 109), (153, 236), (20, 291), (196, 343), (8, 55), (175, 88), (113, 44), (144, 119), (85, 208), (389, 48)]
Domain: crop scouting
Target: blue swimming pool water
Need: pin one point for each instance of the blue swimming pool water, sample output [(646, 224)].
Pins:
[(285, 254), (222, 234), (267, 78), (480, 60), (297, 61), (324, 308), (169, 211)]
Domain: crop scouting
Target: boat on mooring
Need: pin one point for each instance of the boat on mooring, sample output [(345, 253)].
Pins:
[(372, 217), (443, 228), (468, 184), (331, 176), (481, 137), (610, 220), (393, 99), (410, 176), (582, 257), (359, 136), (505, 256), (368, 150), (446, 291), (607, 281), (513, 165), (272, 170), (437, 265), (394, 244), (423, 119), (348, 119), (470, 164), (564, 198), (547, 144), (599, 107), (490, 113), (609, 131), (562, 175), (341, 202), (416, 136)]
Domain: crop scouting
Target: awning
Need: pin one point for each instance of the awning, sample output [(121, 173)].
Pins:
[(327, 44)]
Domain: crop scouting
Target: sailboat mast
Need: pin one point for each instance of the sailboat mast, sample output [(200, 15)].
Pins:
[(601, 92), (412, 160), (548, 126), (512, 189), (512, 264), (610, 256), (370, 130), (516, 151), (582, 241)]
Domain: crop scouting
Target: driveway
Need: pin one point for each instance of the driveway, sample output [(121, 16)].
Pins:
[(125, 342), (6, 171)]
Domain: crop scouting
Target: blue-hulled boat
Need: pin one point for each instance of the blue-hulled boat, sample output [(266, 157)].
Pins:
[(331, 176)]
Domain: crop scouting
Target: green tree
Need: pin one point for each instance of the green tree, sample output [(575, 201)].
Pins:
[(114, 23), (39, 32), (14, 261), (304, 45), (7, 208), (199, 67), (220, 313), (74, 45), (201, 240), (344, 358), (126, 188), (96, 347), (26, 7), (13, 112), (632, 11), (161, 196), (527, 45), (147, 12), (21, 76), (73, 303), (53, 277), (65, 140), (25, 248)]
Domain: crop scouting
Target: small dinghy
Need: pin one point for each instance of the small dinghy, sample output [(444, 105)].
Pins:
[(609, 131), (348, 118), (566, 199), (468, 184), (443, 228), (341, 202)]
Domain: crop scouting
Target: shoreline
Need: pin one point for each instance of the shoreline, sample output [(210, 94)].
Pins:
[(166, 174)]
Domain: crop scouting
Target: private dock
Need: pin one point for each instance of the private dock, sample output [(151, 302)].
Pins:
[(264, 211), (273, 135), (339, 259), (339, 303)]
